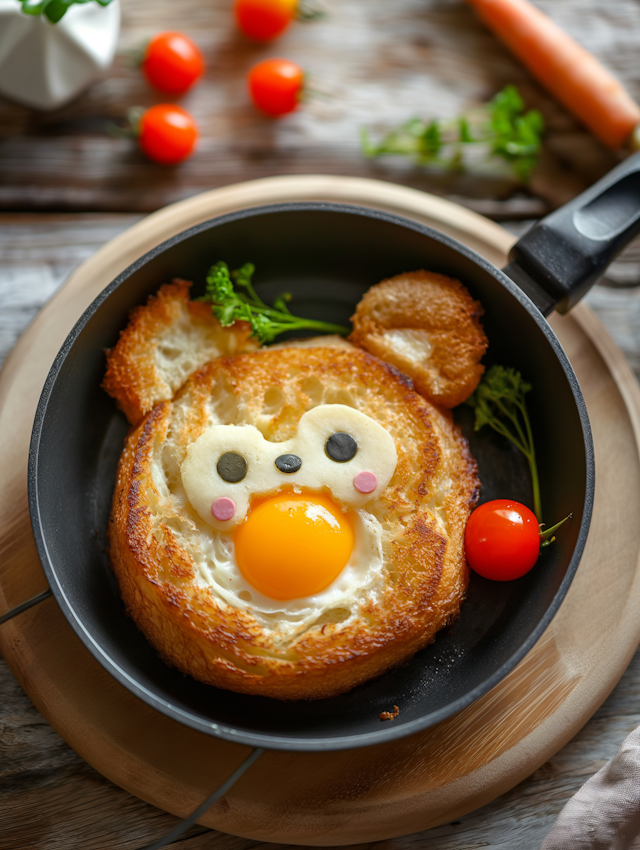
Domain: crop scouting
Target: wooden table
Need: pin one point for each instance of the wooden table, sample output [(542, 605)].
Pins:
[(379, 62)]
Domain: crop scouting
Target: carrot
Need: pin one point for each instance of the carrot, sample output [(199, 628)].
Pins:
[(567, 70)]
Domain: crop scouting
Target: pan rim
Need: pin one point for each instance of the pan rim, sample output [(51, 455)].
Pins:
[(279, 742)]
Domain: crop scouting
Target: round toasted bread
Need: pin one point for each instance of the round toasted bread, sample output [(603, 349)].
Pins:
[(166, 557), (428, 326)]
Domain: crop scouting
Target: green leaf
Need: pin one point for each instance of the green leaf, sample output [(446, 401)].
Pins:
[(507, 101), (431, 140), (230, 305), (243, 276), (262, 328), (465, 132), (54, 10), (33, 7)]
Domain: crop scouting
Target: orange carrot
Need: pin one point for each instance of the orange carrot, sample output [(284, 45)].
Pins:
[(567, 70)]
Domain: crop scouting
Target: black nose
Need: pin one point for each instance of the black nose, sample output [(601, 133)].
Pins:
[(288, 463)]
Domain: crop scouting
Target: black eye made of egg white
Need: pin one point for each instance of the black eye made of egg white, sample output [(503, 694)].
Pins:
[(341, 447), (232, 467)]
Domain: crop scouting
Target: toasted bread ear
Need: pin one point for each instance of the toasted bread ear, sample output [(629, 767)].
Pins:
[(428, 326), (165, 342)]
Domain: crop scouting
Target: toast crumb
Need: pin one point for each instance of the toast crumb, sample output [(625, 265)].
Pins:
[(389, 715)]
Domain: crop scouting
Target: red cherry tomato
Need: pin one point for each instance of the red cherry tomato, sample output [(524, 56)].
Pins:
[(275, 86), (167, 133), (172, 62), (502, 540), (263, 20)]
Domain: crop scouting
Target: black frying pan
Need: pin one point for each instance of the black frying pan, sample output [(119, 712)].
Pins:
[(328, 255)]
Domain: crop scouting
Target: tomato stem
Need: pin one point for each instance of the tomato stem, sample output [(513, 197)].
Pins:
[(547, 535), (308, 10), (131, 127)]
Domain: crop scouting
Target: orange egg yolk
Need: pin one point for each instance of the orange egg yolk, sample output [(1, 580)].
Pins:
[(293, 545)]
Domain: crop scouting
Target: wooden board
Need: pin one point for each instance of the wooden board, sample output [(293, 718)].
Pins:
[(376, 63), (361, 795)]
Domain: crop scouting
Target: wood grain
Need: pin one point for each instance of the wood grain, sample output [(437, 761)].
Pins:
[(375, 63), (50, 799), (323, 802)]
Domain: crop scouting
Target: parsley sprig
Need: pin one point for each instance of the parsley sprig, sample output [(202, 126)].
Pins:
[(231, 304), (499, 401), (54, 10), (500, 129)]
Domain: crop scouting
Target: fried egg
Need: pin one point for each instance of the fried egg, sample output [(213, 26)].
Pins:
[(286, 608)]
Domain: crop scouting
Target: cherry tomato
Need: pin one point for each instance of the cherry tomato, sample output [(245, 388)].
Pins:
[(172, 62), (502, 540), (275, 86), (167, 133), (263, 20)]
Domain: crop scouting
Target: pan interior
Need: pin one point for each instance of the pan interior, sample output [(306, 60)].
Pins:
[(327, 258)]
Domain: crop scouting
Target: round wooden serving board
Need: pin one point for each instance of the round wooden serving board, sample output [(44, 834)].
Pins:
[(359, 795)]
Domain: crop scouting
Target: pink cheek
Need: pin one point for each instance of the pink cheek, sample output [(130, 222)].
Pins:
[(223, 509), (365, 482)]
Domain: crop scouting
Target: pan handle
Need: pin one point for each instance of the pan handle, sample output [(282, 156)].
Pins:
[(24, 606), (253, 757), (564, 254)]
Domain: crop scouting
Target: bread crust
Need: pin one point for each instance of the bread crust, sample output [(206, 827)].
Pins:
[(428, 326), (154, 535), (165, 341)]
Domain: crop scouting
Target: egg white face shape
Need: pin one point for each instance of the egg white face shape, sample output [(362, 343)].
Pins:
[(336, 448)]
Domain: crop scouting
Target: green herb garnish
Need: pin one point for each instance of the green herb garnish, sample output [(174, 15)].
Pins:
[(230, 305), (500, 129), (499, 401), (54, 10)]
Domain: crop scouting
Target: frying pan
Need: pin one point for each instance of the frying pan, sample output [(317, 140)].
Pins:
[(327, 255)]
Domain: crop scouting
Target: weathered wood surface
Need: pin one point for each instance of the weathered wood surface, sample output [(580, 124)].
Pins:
[(376, 62), (50, 799)]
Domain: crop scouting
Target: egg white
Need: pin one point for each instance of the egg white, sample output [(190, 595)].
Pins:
[(359, 581)]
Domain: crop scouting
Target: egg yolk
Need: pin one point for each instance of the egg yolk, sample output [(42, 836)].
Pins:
[(293, 545)]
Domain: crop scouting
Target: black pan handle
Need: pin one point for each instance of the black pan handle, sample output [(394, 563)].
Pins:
[(24, 606), (564, 254)]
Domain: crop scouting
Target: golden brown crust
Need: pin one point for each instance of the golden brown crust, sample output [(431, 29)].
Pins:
[(164, 342), (428, 326), (154, 533)]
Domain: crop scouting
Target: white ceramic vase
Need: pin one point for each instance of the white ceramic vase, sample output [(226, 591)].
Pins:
[(45, 65)]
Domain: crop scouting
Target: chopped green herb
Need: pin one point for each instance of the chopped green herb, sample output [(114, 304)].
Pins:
[(499, 401), (244, 304), (501, 129), (54, 10)]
